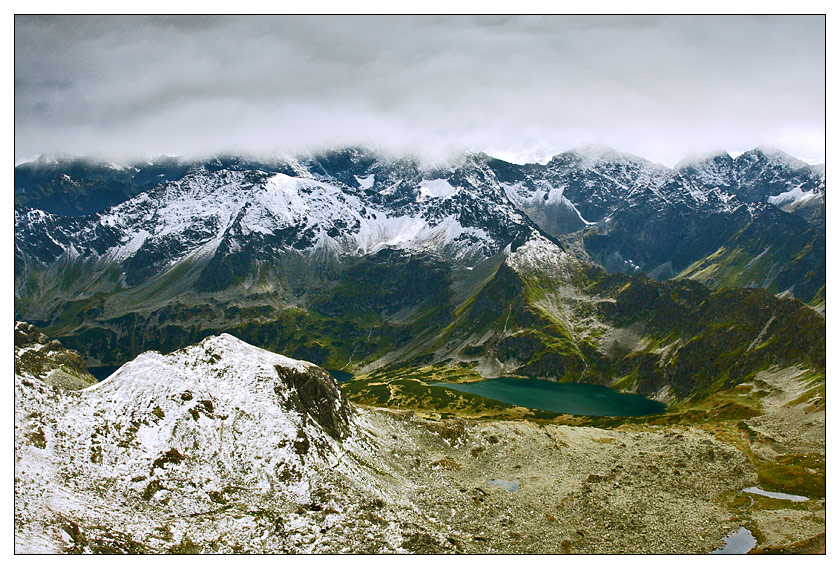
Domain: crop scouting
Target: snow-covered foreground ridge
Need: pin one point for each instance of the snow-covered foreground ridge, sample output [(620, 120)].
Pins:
[(170, 436), (236, 378)]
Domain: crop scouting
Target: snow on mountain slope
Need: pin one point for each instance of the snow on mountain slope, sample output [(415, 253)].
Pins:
[(194, 215), (792, 198), (546, 206), (247, 228), (715, 170), (234, 387), (760, 175), (588, 184), (201, 440), (366, 182), (538, 256), (436, 189)]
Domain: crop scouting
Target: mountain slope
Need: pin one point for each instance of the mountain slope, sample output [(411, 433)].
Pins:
[(752, 257), (635, 216), (544, 314), (357, 262), (173, 446)]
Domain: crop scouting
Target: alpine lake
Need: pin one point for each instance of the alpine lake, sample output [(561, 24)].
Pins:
[(571, 398)]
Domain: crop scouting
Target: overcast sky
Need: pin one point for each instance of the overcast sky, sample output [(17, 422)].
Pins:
[(518, 87)]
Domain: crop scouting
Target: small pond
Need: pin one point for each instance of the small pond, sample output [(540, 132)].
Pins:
[(102, 372), (509, 485), (572, 398), (777, 495), (738, 542), (340, 376)]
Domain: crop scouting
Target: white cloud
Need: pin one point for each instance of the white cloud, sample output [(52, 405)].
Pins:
[(660, 87)]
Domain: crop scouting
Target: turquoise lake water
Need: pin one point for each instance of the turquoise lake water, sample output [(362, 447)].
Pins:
[(572, 398)]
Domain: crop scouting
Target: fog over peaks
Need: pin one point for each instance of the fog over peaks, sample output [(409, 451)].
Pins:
[(522, 88)]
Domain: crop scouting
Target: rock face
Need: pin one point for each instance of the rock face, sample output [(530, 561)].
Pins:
[(38, 356), (316, 394)]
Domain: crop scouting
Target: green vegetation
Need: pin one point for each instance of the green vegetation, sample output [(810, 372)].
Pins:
[(815, 395), (752, 256), (802, 474), (676, 334), (428, 374), (718, 339), (571, 322)]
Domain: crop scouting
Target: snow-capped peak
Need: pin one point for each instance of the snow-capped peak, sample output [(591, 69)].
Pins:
[(592, 154)]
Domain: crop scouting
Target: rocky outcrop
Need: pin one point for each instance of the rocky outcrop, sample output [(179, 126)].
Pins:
[(38, 356), (195, 431), (317, 395)]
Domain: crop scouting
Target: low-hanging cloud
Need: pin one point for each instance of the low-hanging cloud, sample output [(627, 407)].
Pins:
[(661, 87)]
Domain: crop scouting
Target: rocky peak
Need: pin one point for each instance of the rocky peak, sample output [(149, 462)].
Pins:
[(185, 436), (763, 173), (230, 375), (710, 171), (767, 155)]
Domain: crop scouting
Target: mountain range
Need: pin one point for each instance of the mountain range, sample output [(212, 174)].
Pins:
[(572, 270)]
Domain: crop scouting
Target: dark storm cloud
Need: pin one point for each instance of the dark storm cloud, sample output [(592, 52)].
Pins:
[(656, 86)]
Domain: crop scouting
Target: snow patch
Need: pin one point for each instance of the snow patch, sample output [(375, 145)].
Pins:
[(366, 183), (538, 255), (436, 189), (131, 246), (790, 197)]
